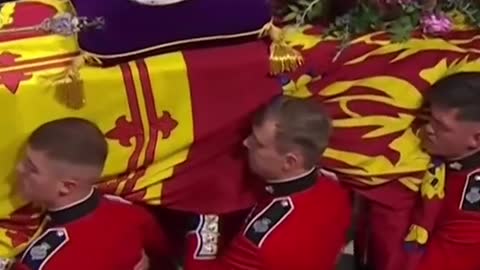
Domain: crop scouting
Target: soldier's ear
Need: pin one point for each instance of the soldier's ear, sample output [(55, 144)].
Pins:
[(294, 159), (291, 160), (66, 186), (475, 140)]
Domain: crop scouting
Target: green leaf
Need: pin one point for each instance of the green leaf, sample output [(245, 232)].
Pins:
[(304, 3), (404, 20), (293, 8), (401, 29), (316, 12), (415, 18), (298, 19), (410, 9), (289, 17), (364, 20)]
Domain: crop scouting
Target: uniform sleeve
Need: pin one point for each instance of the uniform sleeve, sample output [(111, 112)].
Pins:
[(202, 243), (312, 247), (202, 249), (52, 250), (333, 233)]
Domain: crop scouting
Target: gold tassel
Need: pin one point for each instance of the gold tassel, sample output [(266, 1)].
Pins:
[(69, 89), (283, 58)]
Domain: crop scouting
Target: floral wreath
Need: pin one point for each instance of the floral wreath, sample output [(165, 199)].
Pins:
[(399, 18)]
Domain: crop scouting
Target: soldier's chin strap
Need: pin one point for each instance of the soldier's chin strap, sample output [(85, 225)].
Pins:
[(203, 238)]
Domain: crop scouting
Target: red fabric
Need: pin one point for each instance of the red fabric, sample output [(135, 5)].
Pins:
[(443, 255), (177, 223), (425, 216), (112, 237), (225, 92), (310, 237), (456, 240), (385, 217), (455, 224), (28, 14), (229, 83)]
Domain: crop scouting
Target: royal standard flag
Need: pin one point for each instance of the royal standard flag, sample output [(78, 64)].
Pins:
[(175, 122)]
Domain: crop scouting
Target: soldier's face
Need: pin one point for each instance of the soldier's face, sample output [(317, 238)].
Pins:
[(263, 157), (36, 180), (447, 136)]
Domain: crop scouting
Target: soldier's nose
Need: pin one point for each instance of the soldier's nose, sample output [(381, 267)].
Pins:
[(19, 168), (428, 129), (245, 142), (249, 142)]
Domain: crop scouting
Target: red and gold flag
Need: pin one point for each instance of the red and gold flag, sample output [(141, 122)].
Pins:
[(174, 122), (373, 91), (28, 60)]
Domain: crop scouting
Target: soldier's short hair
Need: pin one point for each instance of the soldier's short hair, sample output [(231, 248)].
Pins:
[(73, 140), (300, 123), (459, 91)]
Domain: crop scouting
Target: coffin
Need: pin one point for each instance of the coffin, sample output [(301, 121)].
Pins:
[(175, 122), (136, 28)]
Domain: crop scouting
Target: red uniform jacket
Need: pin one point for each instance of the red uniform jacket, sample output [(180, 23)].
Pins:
[(300, 225), (98, 233), (455, 242)]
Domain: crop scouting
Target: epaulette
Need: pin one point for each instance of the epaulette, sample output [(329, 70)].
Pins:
[(471, 192), (44, 248), (268, 219)]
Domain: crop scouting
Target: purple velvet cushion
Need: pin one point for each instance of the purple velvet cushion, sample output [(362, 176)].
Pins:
[(131, 27)]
